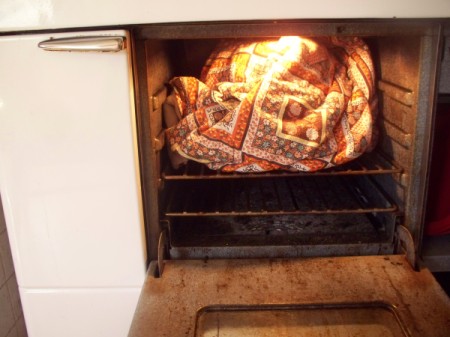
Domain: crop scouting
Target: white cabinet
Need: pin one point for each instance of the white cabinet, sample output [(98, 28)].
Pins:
[(69, 181)]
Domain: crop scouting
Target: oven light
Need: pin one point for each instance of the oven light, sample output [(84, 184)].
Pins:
[(290, 41)]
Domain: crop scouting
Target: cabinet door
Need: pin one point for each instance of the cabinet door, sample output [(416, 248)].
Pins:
[(68, 165)]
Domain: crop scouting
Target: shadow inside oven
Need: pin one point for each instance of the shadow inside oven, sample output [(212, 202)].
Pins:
[(363, 319)]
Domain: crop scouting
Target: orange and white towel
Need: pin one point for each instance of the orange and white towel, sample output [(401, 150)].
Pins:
[(290, 103)]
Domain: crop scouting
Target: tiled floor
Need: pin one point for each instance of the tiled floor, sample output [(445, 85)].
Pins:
[(11, 316)]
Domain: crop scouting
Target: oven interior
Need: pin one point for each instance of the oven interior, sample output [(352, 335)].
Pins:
[(352, 209)]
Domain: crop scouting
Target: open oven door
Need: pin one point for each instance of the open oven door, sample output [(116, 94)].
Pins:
[(337, 296)]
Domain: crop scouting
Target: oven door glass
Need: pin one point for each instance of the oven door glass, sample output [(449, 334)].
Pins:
[(371, 319)]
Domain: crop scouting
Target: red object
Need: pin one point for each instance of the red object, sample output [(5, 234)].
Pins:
[(438, 213)]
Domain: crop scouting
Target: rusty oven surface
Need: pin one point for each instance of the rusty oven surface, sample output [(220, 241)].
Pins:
[(169, 305)]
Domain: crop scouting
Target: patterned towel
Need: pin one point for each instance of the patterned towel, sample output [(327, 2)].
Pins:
[(290, 103)]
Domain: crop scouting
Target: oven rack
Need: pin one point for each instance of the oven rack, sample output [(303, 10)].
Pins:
[(276, 196), (368, 164)]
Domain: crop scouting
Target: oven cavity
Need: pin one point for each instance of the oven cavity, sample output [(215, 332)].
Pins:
[(351, 209)]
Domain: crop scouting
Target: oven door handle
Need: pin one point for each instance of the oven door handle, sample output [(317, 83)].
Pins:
[(85, 44)]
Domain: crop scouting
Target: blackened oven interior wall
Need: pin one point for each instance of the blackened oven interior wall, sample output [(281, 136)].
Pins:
[(406, 70)]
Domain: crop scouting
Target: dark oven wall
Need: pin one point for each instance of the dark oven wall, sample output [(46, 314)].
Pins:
[(407, 74), (388, 185)]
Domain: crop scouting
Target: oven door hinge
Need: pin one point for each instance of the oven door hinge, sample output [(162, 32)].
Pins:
[(404, 244), (157, 267)]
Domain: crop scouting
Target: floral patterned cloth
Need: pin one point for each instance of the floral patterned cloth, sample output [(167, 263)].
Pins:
[(291, 103)]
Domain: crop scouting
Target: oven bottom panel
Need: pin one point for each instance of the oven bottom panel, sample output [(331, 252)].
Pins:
[(170, 305), (286, 235)]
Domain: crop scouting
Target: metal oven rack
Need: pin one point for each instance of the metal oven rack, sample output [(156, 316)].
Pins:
[(216, 214)]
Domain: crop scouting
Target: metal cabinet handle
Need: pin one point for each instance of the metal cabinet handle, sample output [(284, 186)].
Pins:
[(85, 44)]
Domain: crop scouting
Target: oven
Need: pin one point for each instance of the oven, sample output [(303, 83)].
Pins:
[(93, 201), (290, 253)]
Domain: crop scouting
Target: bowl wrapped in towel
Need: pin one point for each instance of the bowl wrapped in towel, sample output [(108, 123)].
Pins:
[(290, 103)]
